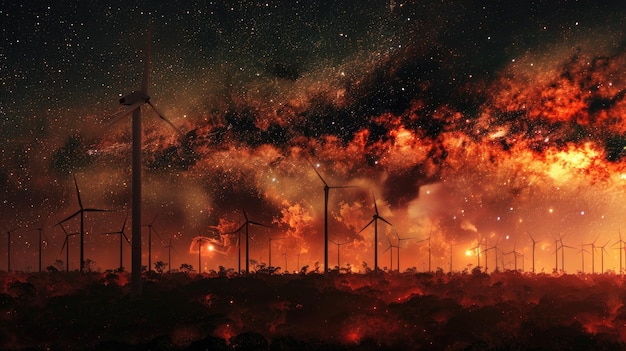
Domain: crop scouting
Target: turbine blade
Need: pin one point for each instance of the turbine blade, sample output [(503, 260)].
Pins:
[(259, 224), (384, 220), (318, 174), (64, 243), (343, 186), (68, 218), (80, 202), (95, 210), (367, 225), (245, 215), (116, 117), (375, 206), (163, 118), (126, 237), (155, 232)]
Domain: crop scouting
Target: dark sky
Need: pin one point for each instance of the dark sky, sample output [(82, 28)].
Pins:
[(470, 122)]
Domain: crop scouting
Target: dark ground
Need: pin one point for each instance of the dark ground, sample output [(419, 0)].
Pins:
[(434, 311)]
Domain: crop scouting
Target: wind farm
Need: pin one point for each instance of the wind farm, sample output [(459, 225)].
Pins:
[(181, 175)]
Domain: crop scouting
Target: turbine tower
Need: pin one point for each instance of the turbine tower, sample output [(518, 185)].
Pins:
[(81, 212), (338, 250), (326, 192), (134, 101), (374, 220), (169, 256)]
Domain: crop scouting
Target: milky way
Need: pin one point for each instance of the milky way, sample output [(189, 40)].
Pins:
[(482, 123)]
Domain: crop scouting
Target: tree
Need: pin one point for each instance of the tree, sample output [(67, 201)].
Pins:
[(90, 265), (160, 266), (186, 268), (59, 265)]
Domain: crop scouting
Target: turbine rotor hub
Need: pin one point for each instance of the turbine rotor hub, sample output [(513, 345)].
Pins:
[(134, 97)]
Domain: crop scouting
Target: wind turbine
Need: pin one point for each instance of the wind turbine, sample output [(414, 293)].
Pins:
[(246, 225), (269, 265), (390, 248), (593, 257), (169, 256), (123, 236), (66, 245), (81, 212), (326, 192), (150, 225), (238, 232), (374, 220), (41, 236), (400, 240), (534, 243), (134, 101), (563, 246), (621, 249), (9, 233), (582, 254), (602, 251), (338, 251), (200, 240)]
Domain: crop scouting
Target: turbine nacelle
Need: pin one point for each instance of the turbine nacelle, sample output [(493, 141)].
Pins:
[(134, 97)]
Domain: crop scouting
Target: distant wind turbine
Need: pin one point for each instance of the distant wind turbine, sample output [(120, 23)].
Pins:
[(621, 249), (66, 245), (81, 213), (123, 236), (374, 220), (602, 251), (135, 101), (338, 250), (326, 192), (534, 243), (150, 229), (9, 233), (42, 235), (238, 232), (169, 256), (199, 240), (270, 239), (246, 225)]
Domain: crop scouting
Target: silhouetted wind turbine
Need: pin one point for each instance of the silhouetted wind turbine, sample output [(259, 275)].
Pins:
[(238, 232), (81, 212), (270, 239), (326, 191), (150, 229), (338, 250), (534, 243), (563, 246), (390, 248), (582, 254), (41, 236), (169, 256), (374, 220), (246, 225), (134, 101), (123, 236), (593, 257), (602, 251), (66, 245), (621, 248), (400, 240), (199, 240), (9, 233)]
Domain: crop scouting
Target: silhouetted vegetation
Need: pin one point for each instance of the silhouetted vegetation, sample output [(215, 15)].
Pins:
[(224, 310)]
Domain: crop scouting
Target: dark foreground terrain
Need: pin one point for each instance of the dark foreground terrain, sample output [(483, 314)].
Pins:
[(434, 311)]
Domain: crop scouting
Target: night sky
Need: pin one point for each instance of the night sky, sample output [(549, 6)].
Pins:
[(471, 122)]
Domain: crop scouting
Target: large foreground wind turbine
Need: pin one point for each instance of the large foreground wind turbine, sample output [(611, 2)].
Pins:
[(134, 101), (326, 191)]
